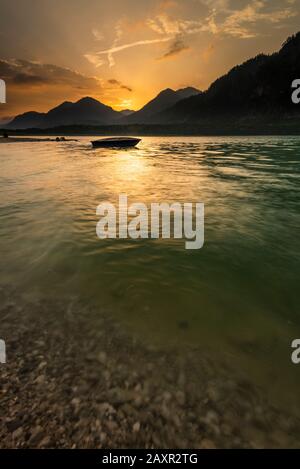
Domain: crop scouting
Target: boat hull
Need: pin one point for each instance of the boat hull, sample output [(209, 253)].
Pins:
[(116, 142)]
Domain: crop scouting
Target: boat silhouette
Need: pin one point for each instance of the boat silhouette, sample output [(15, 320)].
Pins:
[(116, 142)]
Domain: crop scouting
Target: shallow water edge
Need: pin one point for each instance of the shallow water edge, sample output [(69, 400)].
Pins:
[(83, 386)]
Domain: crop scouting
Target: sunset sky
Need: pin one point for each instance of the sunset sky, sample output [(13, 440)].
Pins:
[(123, 52)]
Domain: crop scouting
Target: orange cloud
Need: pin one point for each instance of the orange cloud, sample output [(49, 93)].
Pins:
[(175, 48)]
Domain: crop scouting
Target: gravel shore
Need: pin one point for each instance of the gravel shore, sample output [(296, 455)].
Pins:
[(75, 379)]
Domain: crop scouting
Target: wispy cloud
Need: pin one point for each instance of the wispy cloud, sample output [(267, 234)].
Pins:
[(97, 60), (94, 59), (118, 84), (221, 19), (168, 30), (163, 24), (242, 23), (97, 34), (176, 47), (27, 73), (119, 34)]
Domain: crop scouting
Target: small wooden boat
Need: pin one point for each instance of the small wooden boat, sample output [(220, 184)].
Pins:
[(116, 142)]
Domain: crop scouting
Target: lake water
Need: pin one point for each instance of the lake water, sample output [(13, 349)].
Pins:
[(237, 298)]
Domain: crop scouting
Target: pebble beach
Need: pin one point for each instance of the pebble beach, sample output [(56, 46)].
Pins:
[(78, 386)]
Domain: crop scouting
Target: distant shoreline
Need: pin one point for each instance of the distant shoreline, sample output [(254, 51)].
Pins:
[(257, 128), (21, 139)]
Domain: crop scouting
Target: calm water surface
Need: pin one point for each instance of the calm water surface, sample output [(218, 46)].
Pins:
[(238, 297)]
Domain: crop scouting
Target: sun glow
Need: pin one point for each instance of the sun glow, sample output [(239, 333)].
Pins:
[(124, 104)]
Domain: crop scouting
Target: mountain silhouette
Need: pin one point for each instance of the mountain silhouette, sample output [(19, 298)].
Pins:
[(89, 111), (162, 101), (260, 86), (86, 111), (257, 90)]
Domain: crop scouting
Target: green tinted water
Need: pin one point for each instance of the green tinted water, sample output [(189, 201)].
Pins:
[(237, 297)]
